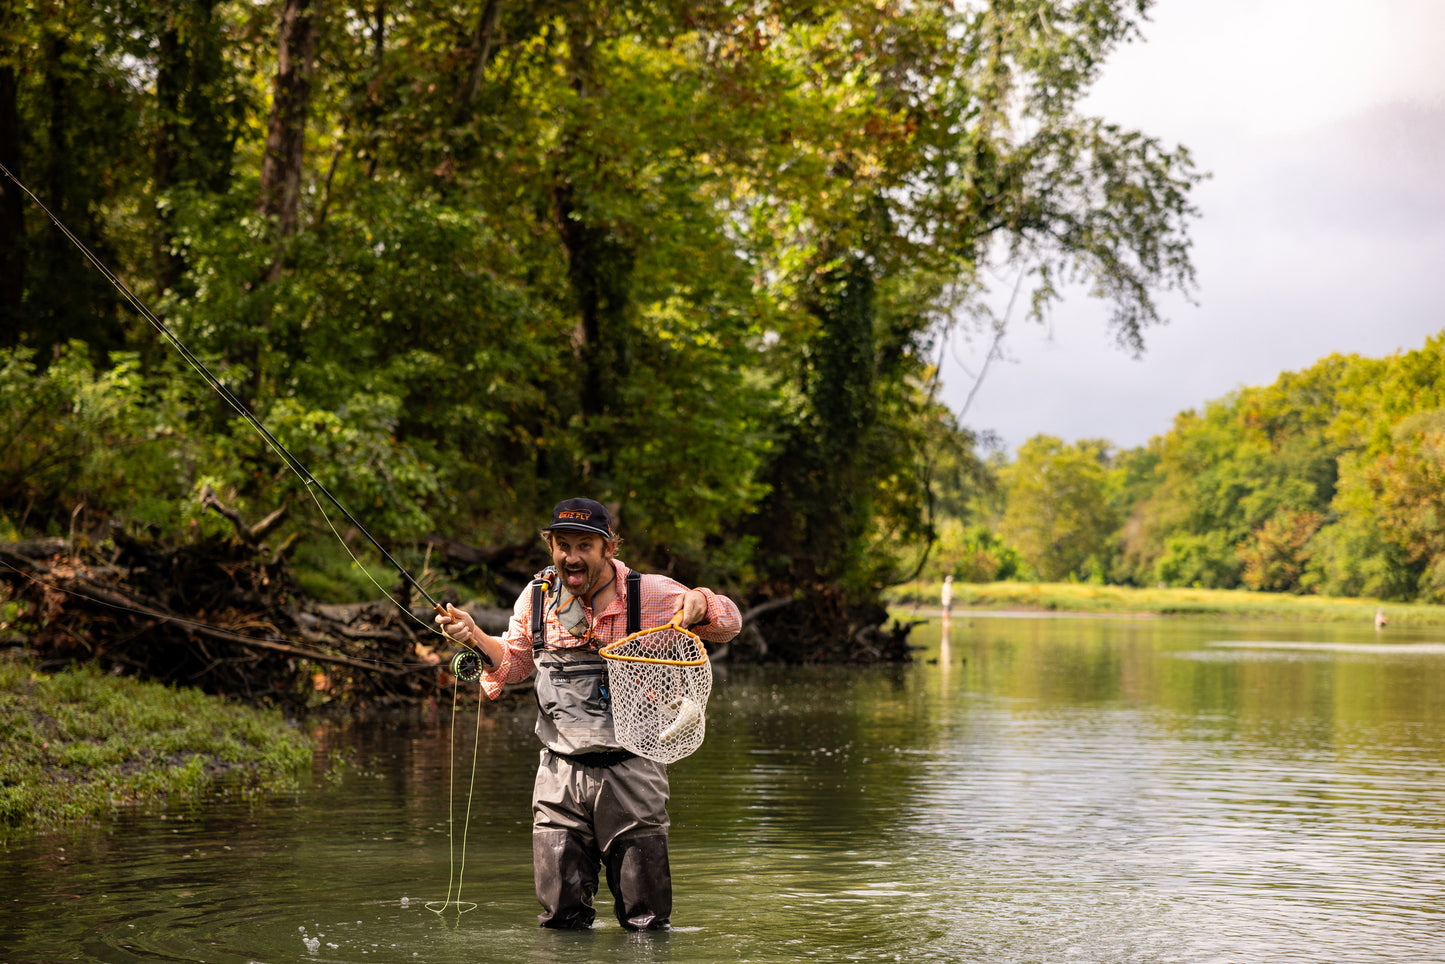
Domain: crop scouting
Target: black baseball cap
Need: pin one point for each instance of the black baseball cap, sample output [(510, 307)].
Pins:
[(581, 515)]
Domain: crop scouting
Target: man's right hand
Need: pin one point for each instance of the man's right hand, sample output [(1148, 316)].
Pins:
[(457, 625)]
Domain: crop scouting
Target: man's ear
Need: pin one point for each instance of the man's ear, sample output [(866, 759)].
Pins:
[(609, 548)]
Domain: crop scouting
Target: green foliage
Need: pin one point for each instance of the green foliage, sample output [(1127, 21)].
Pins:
[(1352, 557), (104, 440), (973, 553), (1276, 556), (1206, 561), (1233, 478), (1384, 537), (329, 574), (76, 111), (1330, 480), (1058, 513)]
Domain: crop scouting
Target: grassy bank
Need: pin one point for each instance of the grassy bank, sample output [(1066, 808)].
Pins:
[(1227, 603), (76, 745)]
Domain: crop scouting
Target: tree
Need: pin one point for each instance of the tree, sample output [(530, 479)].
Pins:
[(12, 206), (1252, 466), (283, 159), (199, 106), (1276, 555), (1058, 513), (914, 145), (1407, 486), (74, 111)]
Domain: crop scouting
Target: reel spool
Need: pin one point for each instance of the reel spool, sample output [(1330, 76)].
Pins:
[(467, 666)]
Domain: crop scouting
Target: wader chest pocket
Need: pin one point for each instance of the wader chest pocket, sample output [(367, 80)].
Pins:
[(572, 691)]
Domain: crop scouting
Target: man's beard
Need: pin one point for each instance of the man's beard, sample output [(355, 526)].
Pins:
[(591, 581)]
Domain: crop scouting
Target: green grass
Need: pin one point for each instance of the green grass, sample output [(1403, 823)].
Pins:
[(1225, 603), (76, 745)]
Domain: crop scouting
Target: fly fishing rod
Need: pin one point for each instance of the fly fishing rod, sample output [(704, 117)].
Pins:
[(292, 462)]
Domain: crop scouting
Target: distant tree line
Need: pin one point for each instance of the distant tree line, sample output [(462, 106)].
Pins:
[(466, 258), (1330, 480)]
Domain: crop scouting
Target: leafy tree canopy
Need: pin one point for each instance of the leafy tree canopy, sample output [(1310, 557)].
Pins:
[(690, 258)]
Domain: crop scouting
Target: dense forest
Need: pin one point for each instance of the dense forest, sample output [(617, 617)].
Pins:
[(1330, 480), (468, 258)]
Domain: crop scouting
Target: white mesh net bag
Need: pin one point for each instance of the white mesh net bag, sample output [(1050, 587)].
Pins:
[(659, 681)]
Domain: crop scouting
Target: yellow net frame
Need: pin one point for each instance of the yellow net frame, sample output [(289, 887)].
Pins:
[(610, 650)]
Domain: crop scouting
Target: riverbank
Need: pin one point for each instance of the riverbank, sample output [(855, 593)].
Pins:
[(1128, 600), (79, 744)]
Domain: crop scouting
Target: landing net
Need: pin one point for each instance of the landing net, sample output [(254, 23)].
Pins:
[(659, 681)]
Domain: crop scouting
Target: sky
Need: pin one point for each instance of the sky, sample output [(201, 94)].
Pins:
[(1322, 126)]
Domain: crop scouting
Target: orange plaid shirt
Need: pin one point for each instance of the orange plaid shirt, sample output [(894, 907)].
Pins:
[(660, 598)]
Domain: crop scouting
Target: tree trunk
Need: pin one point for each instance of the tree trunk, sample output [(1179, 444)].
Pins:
[(599, 267), (12, 211), (283, 160), (378, 33), (481, 50), (170, 80), (812, 524), (282, 163)]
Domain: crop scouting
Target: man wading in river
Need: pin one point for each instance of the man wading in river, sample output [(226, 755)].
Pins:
[(594, 802)]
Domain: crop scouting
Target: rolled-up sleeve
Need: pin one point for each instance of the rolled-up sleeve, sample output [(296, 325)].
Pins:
[(723, 618), (516, 664)]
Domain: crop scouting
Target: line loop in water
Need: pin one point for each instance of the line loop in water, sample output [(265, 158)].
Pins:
[(455, 867)]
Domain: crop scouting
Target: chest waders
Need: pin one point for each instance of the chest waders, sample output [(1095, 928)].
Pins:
[(574, 722), (574, 716)]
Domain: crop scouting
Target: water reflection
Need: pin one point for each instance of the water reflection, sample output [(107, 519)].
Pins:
[(1093, 790)]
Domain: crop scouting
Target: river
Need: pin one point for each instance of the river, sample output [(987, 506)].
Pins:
[(1031, 789)]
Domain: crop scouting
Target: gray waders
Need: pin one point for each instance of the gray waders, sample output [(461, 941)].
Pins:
[(594, 804)]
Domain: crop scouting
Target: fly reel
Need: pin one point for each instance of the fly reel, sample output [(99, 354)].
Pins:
[(467, 666)]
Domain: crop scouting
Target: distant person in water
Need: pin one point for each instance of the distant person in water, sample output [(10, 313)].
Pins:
[(594, 803), (948, 594)]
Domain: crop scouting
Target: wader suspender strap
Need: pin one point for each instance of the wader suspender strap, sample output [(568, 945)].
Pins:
[(634, 608), (539, 631), (634, 601)]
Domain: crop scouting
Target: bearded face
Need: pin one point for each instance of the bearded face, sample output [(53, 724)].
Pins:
[(582, 560)]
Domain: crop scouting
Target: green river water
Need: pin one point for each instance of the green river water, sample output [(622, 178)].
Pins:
[(1031, 789)]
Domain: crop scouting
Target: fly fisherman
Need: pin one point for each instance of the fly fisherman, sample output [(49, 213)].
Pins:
[(594, 802)]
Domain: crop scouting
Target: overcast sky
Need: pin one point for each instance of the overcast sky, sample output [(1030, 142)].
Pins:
[(1322, 125)]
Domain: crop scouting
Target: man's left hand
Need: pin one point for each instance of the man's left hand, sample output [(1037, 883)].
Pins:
[(691, 610)]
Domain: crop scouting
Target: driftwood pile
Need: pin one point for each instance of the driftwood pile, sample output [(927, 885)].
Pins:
[(222, 615)]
